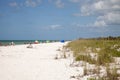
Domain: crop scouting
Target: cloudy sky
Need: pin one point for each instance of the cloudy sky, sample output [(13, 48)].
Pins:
[(59, 19)]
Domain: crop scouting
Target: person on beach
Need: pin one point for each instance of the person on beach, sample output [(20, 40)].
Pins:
[(0, 44), (30, 46), (12, 43)]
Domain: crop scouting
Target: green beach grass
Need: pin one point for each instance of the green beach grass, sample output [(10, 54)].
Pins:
[(105, 50)]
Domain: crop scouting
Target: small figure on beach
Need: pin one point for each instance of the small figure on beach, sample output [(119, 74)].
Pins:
[(12, 43), (0, 44), (36, 42), (30, 46)]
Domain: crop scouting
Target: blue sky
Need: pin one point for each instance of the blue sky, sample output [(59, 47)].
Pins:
[(58, 19)]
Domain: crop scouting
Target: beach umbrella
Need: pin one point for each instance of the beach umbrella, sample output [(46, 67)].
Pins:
[(36, 42), (62, 41)]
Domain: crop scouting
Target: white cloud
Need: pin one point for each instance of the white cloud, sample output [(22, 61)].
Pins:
[(59, 4), (99, 24), (32, 3), (100, 5), (27, 3), (111, 18), (78, 25), (107, 11), (13, 4), (54, 27), (75, 1), (86, 10)]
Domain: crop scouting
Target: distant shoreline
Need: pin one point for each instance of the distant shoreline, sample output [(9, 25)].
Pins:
[(20, 42)]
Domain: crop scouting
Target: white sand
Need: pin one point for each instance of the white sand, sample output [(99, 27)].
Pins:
[(21, 63)]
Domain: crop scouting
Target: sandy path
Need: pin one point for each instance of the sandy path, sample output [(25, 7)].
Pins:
[(21, 63)]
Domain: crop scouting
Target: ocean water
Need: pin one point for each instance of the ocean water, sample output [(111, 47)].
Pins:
[(19, 42)]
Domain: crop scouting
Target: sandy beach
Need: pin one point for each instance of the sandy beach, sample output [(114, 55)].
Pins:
[(37, 63)]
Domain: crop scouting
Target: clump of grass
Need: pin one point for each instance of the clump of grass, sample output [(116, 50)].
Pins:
[(86, 58), (112, 74), (114, 52), (104, 57), (96, 79), (85, 70)]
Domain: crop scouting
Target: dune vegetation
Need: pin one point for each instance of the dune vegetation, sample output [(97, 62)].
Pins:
[(100, 52)]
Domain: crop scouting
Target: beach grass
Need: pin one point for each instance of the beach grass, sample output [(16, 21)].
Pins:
[(104, 52), (107, 50)]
